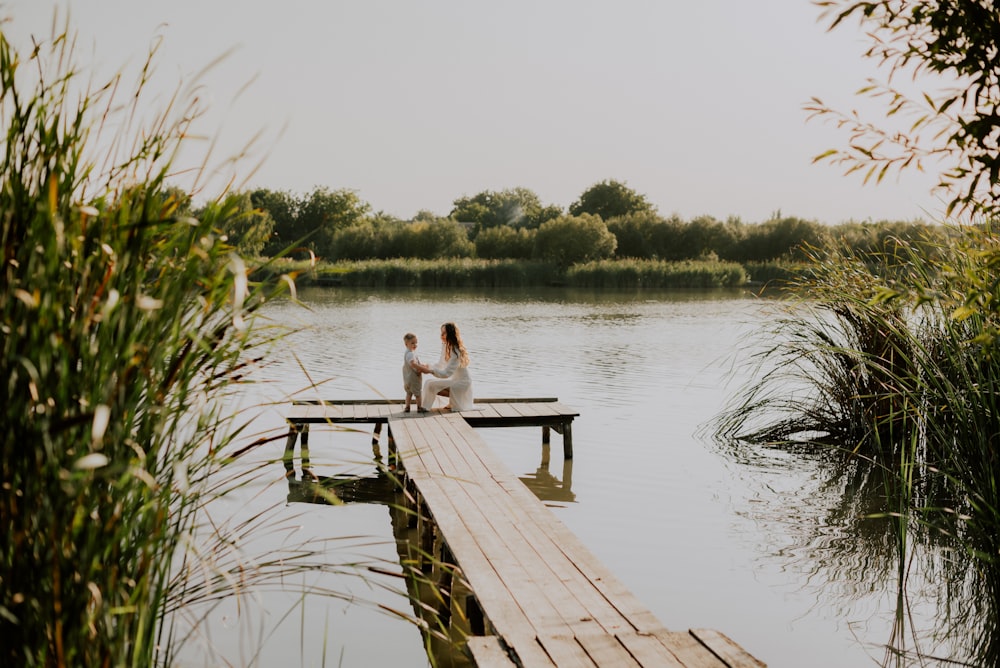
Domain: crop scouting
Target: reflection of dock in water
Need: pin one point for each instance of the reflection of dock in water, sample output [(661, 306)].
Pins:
[(491, 570), (337, 489), (546, 486)]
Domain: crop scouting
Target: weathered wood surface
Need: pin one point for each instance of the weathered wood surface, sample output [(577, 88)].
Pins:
[(499, 412), (545, 599), (545, 412)]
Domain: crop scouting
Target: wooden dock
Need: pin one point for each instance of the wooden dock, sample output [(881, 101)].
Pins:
[(524, 589), (547, 413)]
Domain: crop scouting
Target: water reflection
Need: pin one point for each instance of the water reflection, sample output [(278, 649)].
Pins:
[(339, 489), (868, 541), (744, 547), (546, 486)]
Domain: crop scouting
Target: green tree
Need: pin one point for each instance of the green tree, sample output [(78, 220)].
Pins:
[(323, 211), (608, 199), (957, 125), (282, 207), (634, 233), (441, 238), (778, 238), (505, 242), (358, 242), (514, 207), (248, 229), (704, 237), (571, 239)]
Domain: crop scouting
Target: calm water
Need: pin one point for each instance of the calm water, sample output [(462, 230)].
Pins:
[(755, 551)]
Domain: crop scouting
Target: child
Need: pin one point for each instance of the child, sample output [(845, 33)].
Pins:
[(412, 368)]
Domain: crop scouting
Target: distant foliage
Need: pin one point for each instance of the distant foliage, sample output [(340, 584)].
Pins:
[(609, 199), (248, 229), (515, 207), (442, 238), (310, 221), (656, 274), (425, 239), (571, 239), (505, 242), (465, 273)]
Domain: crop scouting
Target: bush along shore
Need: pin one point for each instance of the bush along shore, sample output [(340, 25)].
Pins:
[(480, 273)]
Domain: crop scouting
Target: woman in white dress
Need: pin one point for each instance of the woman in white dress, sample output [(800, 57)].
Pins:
[(451, 374)]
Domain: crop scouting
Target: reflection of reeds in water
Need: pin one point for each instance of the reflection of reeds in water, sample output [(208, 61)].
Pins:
[(891, 375)]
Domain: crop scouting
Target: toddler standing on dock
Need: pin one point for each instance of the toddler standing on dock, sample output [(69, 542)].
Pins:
[(412, 369)]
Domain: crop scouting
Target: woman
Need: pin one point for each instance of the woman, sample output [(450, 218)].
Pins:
[(451, 373)]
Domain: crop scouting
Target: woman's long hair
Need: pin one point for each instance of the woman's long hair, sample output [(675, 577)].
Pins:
[(454, 340)]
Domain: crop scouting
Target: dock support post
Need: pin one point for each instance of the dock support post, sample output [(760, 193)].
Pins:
[(425, 533), (445, 582), (304, 451), (286, 459), (567, 434), (376, 435), (297, 431), (545, 434)]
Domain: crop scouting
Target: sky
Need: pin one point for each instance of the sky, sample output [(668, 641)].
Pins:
[(696, 105)]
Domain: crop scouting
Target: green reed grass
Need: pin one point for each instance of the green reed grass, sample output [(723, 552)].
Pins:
[(895, 365), (444, 273), (481, 273), (656, 274), (126, 326), (122, 321)]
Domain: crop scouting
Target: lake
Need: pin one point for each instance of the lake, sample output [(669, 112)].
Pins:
[(756, 550)]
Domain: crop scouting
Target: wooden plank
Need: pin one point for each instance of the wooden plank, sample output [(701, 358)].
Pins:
[(527, 409), (576, 604), (583, 604), (538, 587), (532, 400), (471, 492), (648, 650), (488, 651), (583, 560), (726, 649), (504, 611), (321, 412), (566, 651), (563, 409), (506, 410), (548, 599), (688, 650), (481, 400), (605, 650), (504, 413), (487, 411)]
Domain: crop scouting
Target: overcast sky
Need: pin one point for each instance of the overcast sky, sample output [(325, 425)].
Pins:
[(698, 105)]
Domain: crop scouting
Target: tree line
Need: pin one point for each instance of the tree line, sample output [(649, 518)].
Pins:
[(608, 221)]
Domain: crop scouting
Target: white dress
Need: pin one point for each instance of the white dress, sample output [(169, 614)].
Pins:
[(452, 375)]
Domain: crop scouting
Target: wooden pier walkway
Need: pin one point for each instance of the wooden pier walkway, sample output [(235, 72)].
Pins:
[(547, 413), (524, 589)]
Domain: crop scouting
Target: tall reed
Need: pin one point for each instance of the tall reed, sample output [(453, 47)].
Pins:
[(656, 274), (895, 365), (126, 324)]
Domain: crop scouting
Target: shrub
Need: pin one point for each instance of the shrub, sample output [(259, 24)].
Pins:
[(505, 242), (570, 239)]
